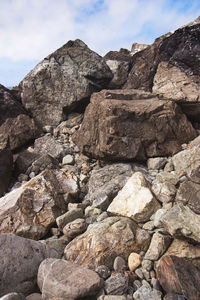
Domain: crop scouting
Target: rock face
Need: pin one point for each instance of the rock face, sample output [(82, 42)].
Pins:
[(135, 200), (128, 125), (31, 209), (19, 262), (6, 164), (14, 121), (63, 80), (63, 279), (103, 241)]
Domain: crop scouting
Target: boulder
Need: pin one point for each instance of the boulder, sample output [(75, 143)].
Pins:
[(135, 200), (137, 48), (132, 124), (19, 262), (158, 246), (184, 249), (24, 160), (63, 279), (103, 241), (14, 121), (6, 164), (31, 209), (146, 292), (179, 275), (117, 284), (62, 81), (120, 70)]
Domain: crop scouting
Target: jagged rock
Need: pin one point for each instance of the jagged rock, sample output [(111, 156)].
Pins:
[(6, 165), (179, 275), (63, 279), (74, 228), (180, 221), (62, 81), (135, 200), (159, 244), (103, 271), (184, 249), (69, 217), (137, 48), (156, 163), (131, 124), (31, 209), (105, 183), (103, 241), (24, 160), (42, 163), (117, 284), (189, 194), (145, 292), (19, 262), (14, 121), (172, 296), (120, 70)]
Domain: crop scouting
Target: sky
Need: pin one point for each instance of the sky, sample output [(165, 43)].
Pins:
[(32, 29)]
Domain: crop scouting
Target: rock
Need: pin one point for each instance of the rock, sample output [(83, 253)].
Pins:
[(92, 212), (42, 163), (183, 249), (158, 217), (189, 194), (69, 217), (156, 163), (6, 165), (119, 264), (48, 145), (31, 209), (14, 121), (19, 262), (74, 228), (103, 271), (171, 296), (24, 161), (120, 70), (179, 275), (159, 244), (34, 296), (135, 200), (68, 160), (164, 186), (13, 296), (137, 48), (134, 260), (63, 279), (103, 241), (181, 222), (105, 183), (147, 265), (117, 284), (109, 297), (132, 124), (66, 78), (56, 243), (145, 292)]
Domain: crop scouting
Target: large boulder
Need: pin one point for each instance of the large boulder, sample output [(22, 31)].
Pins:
[(132, 124), (31, 209), (62, 81), (19, 262), (63, 279), (14, 121), (103, 241), (6, 164)]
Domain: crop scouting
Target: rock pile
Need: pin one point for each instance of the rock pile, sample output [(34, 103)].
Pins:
[(103, 203)]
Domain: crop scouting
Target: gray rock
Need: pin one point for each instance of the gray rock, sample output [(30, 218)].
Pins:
[(156, 163), (58, 244), (13, 296), (68, 217), (6, 165), (68, 160), (42, 163), (34, 296), (92, 212), (172, 296), (62, 81), (120, 71), (147, 264), (72, 229), (159, 244), (19, 262), (103, 271), (146, 293), (119, 264), (189, 194), (108, 297), (158, 217), (63, 279), (117, 284)]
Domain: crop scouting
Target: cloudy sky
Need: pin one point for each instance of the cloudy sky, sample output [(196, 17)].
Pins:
[(32, 29)]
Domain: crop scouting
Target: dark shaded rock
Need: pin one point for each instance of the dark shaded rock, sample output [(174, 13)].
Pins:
[(6, 164), (44, 162), (62, 81), (189, 194), (131, 124), (24, 161), (180, 276), (19, 262), (117, 284)]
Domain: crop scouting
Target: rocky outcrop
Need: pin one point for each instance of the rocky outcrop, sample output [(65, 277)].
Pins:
[(63, 80), (6, 165), (137, 48), (19, 262), (105, 240), (131, 124), (14, 121)]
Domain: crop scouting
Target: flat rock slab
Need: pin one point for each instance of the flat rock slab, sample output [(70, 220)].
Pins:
[(103, 241), (132, 124), (63, 279), (19, 262)]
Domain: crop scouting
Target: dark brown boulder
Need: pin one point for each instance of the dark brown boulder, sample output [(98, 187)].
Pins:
[(6, 164), (131, 124)]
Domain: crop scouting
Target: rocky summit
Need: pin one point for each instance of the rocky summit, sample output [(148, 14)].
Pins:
[(100, 174)]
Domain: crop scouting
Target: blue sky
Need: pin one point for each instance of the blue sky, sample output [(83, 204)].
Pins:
[(32, 29)]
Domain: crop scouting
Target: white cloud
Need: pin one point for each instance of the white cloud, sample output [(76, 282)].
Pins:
[(31, 29)]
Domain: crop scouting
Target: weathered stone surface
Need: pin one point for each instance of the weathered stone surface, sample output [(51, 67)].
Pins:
[(6, 165), (31, 209), (69, 217), (19, 262), (34, 296), (119, 264), (137, 48), (14, 121), (109, 297), (120, 70), (48, 145), (134, 260), (63, 279), (63, 80), (159, 244), (24, 161), (103, 271), (42, 163), (135, 200), (172, 296), (105, 183), (103, 241), (132, 124), (145, 292), (183, 249), (180, 221), (117, 284), (156, 163), (180, 276), (189, 194), (13, 296), (72, 229)]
